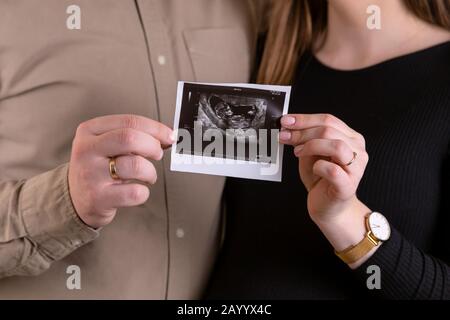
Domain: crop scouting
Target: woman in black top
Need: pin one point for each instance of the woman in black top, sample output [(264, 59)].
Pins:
[(383, 93)]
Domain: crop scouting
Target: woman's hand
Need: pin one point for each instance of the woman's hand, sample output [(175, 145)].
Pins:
[(332, 160), (132, 141)]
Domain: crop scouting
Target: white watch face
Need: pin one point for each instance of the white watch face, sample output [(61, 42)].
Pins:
[(379, 226)]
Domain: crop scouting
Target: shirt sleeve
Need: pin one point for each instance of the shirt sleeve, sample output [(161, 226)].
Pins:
[(408, 272), (38, 223)]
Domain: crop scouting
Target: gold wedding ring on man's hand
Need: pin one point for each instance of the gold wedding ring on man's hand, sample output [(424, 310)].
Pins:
[(113, 169)]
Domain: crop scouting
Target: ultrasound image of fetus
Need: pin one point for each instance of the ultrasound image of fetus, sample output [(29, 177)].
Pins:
[(233, 115), (221, 108), (242, 117)]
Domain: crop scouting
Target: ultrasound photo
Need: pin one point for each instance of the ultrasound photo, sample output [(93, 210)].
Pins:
[(232, 111), (230, 121)]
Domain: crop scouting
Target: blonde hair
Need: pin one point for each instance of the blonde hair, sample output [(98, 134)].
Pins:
[(296, 25)]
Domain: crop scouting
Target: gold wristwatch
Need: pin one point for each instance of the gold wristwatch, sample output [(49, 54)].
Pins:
[(378, 230)]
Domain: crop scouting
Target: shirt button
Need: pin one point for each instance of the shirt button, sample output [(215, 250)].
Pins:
[(161, 60), (76, 243), (180, 233)]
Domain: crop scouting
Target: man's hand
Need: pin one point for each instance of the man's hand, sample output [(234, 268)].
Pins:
[(132, 140)]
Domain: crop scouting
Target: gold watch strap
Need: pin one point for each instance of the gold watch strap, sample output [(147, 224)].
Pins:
[(356, 252)]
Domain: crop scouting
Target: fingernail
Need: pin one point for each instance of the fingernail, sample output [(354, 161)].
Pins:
[(297, 149), (285, 135), (173, 137), (287, 120), (162, 154)]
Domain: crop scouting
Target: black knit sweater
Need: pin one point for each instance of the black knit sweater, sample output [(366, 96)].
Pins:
[(402, 107)]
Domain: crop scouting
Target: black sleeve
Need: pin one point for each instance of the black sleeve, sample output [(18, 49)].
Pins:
[(406, 271)]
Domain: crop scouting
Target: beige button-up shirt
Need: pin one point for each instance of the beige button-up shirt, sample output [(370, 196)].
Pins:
[(126, 58)]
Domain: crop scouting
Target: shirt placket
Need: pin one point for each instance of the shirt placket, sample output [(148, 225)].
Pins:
[(164, 85)]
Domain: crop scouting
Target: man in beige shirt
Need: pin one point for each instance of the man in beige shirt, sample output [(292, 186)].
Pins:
[(79, 69)]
